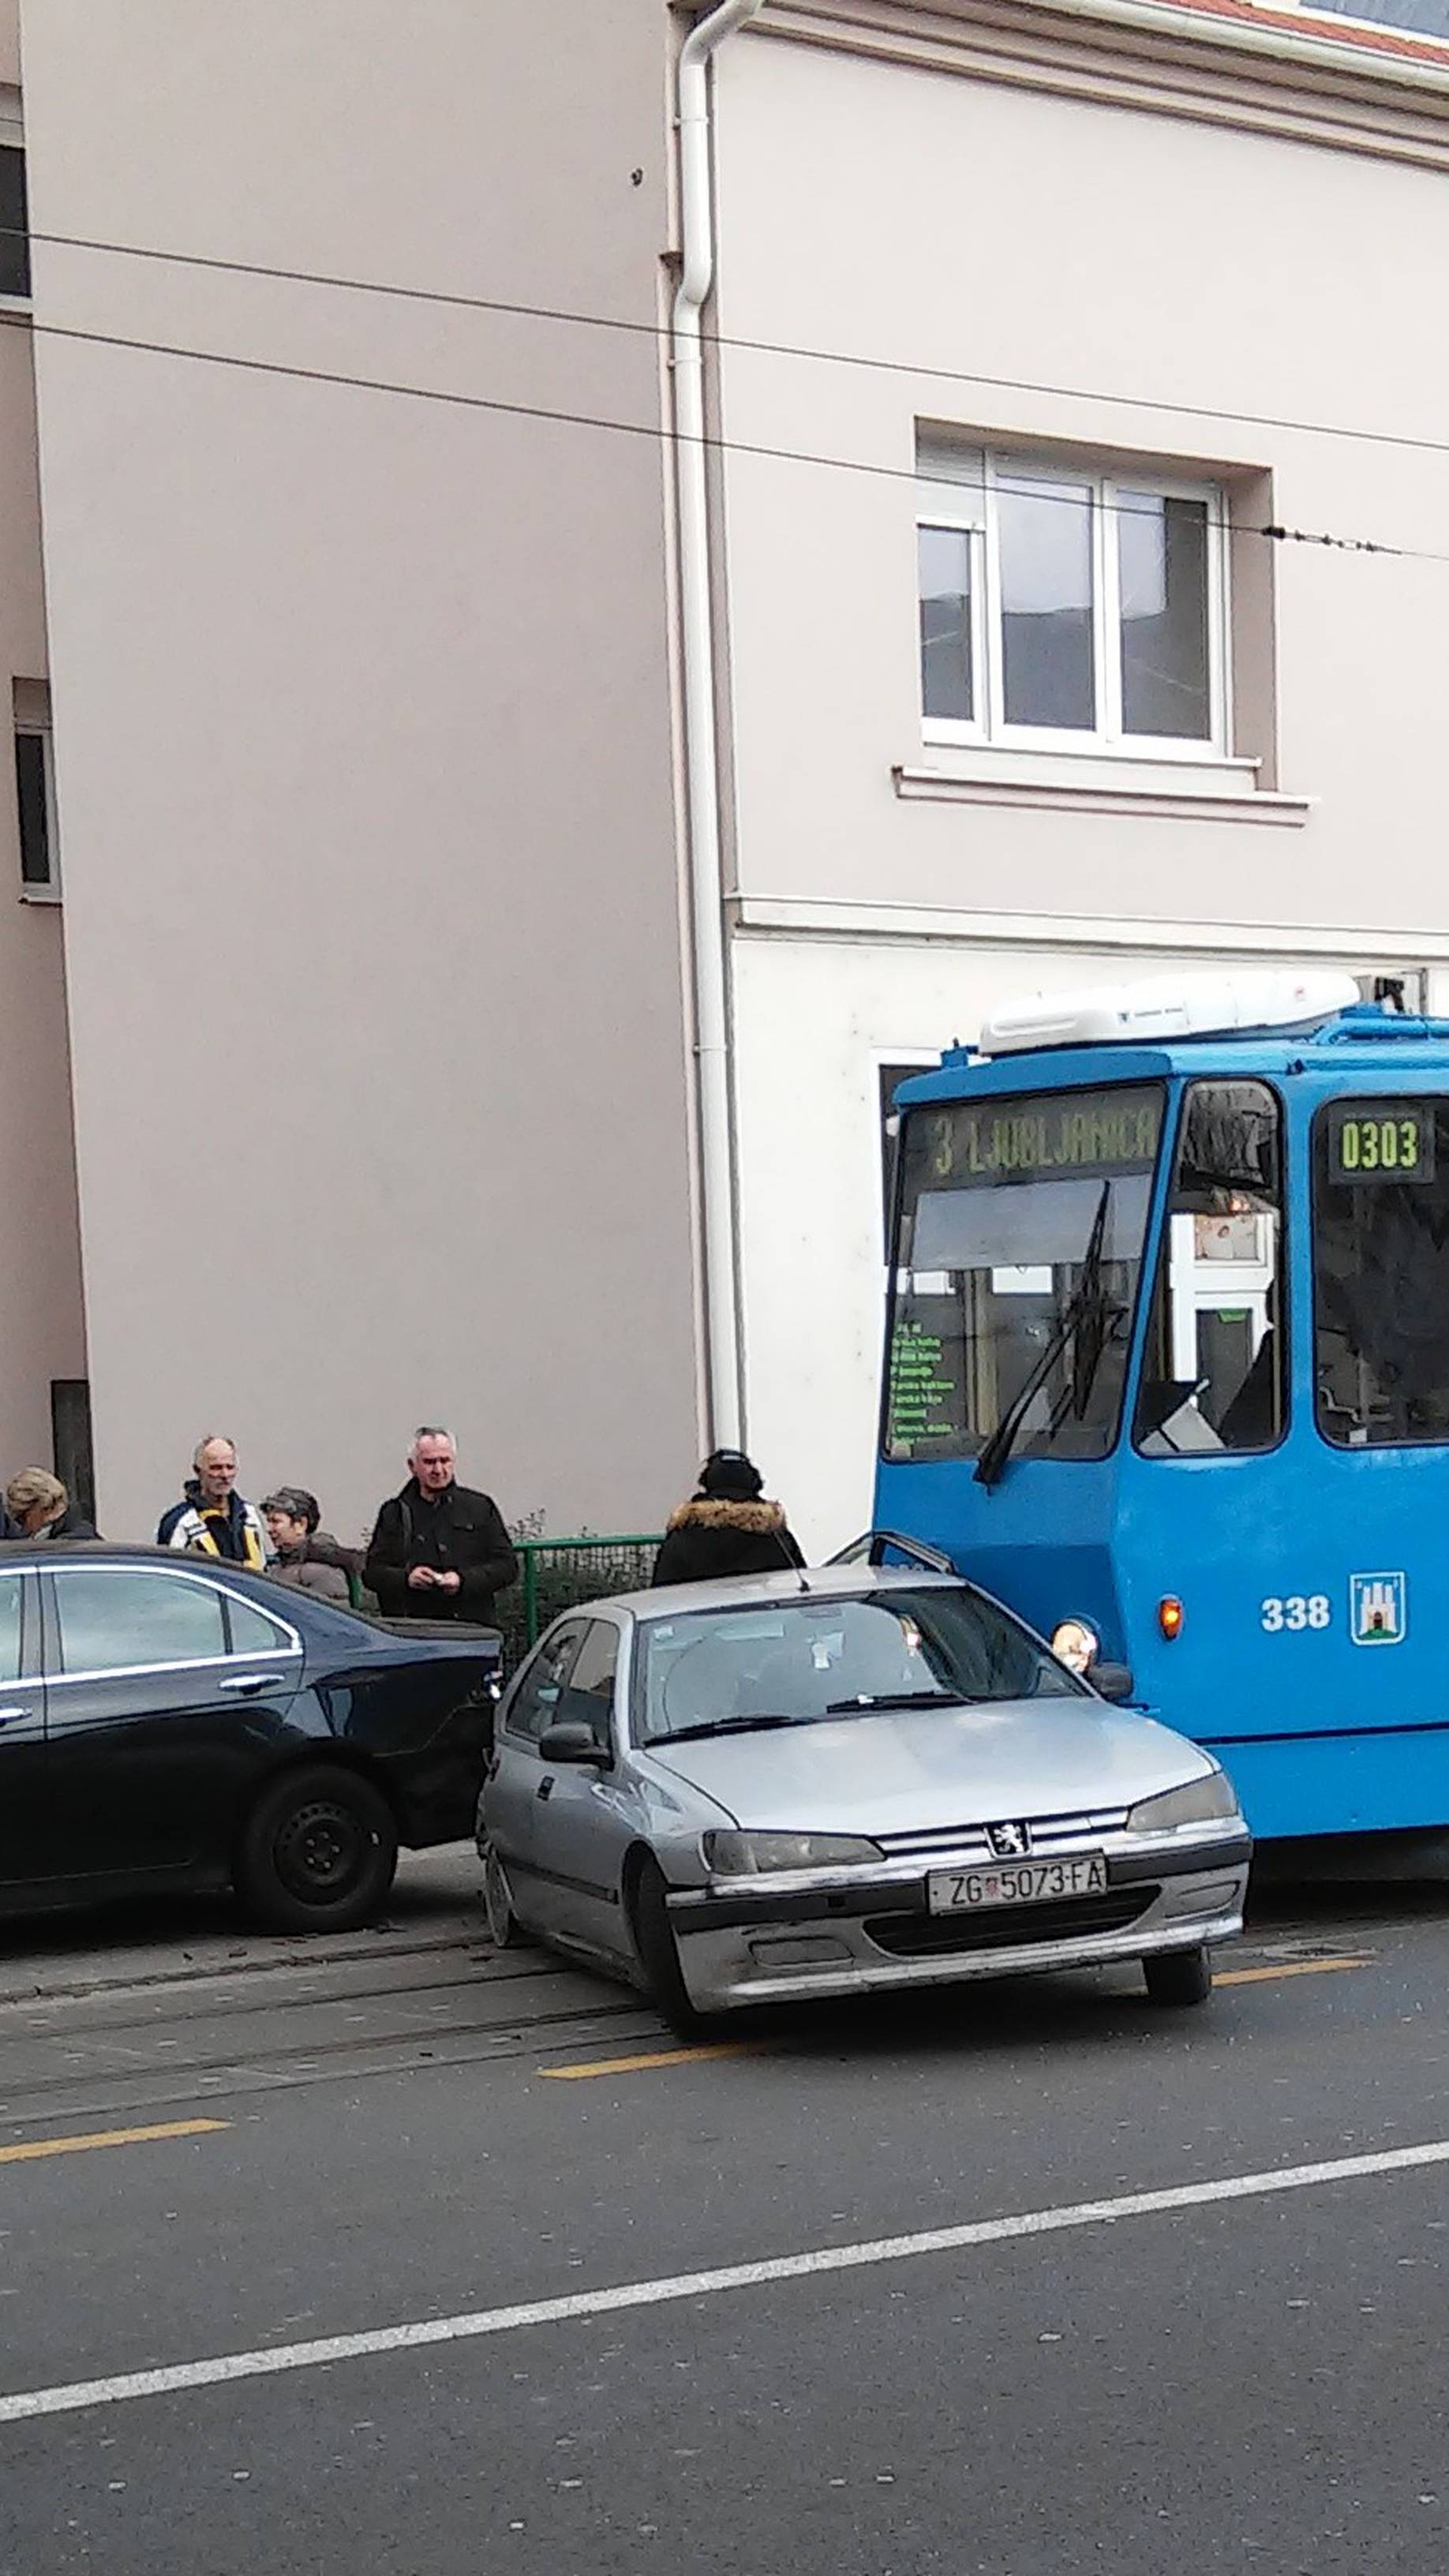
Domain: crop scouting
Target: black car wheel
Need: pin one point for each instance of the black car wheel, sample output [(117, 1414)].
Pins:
[(659, 1953), (504, 1929), (318, 1852), (1179, 1976)]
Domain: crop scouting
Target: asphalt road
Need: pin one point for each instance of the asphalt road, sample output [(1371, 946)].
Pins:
[(1026, 2278)]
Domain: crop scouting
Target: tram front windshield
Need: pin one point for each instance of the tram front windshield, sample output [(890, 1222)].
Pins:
[(1018, 1257)]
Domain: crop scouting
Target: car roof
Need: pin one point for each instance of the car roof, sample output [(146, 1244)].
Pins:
[(113, 1551), (740, 1591)]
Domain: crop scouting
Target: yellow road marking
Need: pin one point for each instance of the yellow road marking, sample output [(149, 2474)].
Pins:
[(1289, 1968), (108, 2138), (656, 2057)]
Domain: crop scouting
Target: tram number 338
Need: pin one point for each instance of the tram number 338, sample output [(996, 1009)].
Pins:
[(1295, 1611)]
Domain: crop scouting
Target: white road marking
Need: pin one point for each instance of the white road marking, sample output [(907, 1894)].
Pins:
[(75, 2395)]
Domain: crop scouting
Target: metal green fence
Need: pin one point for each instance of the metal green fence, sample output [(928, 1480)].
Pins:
[(559, 1573)]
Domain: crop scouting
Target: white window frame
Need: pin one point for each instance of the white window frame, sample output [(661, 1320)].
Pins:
[(34, 730), (973, 507)]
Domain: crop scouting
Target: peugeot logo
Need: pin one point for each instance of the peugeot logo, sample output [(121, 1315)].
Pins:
[(1009, 1842)]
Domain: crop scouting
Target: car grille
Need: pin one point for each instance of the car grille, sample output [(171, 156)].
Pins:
[(1064, 1833), (922, 1936)]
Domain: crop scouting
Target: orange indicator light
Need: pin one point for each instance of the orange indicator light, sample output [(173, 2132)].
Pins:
[(1169, 1617)]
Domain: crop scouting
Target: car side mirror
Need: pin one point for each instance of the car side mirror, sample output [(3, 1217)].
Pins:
[(1109, 1681), (572, 1741)]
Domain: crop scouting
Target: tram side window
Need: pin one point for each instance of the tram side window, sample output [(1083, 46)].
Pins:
[(1214, 1374), (1381, 1272)]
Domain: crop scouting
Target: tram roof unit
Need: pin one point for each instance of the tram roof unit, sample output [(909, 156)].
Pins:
[(1267, 1020)]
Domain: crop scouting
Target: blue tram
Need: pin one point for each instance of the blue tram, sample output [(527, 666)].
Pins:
[(1167, 1367)]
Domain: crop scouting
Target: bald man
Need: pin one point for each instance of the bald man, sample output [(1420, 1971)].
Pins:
[(212, 1519)]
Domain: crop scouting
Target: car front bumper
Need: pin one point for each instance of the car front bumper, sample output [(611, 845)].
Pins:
[(857, 1931)]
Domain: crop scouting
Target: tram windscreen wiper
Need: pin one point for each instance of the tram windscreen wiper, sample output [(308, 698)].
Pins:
[(1085, 1301)]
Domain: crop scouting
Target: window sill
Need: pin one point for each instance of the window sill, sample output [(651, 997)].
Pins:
[(16, 308), (1218, 791), (40, 894)]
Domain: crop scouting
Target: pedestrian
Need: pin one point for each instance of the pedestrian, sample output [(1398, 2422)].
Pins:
[(727, 1527), (38, 1507), (439, 1550), (302, 1552), (211, 1519)]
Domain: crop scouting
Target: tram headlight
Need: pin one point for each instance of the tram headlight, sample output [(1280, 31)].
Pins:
[(1212, 1801), (1075, 1645)]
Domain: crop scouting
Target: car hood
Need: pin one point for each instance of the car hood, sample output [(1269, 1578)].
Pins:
[(905, 1771)]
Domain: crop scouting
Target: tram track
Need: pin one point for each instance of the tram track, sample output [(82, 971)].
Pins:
[(133, 2031), (99, 2045), (42, 2014), (102, 2092)]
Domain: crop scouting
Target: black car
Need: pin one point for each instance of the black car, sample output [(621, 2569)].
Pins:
[(171, 1721)]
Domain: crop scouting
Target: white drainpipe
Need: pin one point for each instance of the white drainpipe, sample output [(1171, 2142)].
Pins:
[(701, 747)]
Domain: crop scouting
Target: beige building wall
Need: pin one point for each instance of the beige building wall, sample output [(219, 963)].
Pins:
[(980, 229), (41, 1333), (365, 745)]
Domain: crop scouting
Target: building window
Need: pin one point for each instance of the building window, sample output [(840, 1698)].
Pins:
[(35, 793), (14, 223), (1069, 609), (1418, 17), (71, 1447)]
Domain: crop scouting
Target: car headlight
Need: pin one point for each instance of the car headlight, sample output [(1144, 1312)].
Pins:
[(1075, 1645), (733, 1855), (1199, 1802)]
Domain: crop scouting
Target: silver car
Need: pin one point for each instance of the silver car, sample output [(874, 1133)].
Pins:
[(823, 1783)]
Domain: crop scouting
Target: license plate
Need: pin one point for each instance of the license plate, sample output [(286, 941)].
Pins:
[(1015, 1882)]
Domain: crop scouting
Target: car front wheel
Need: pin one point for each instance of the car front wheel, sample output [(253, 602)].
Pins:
[(504, 1929), (659, 1953), (318, 1852), (1179, 1976)]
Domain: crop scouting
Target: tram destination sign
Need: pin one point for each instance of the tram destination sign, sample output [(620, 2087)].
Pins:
[(1374, 1141), (1086, 1134)]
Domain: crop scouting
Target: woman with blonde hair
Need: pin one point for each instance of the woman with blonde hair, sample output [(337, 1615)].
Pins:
[(40, 1507)]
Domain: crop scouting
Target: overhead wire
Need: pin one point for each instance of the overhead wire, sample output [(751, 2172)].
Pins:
[(662, 433), (517, 310)]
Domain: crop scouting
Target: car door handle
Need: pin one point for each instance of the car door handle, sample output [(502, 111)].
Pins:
[(545, 1786), (246, 1685), (6, 1714)]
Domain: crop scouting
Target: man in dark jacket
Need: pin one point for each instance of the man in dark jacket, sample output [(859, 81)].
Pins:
[(726, 1527), (439, 1550)]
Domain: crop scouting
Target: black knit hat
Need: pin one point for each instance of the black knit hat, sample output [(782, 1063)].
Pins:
[(729, 1476)]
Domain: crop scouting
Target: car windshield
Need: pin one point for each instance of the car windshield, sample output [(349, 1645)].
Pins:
[(801, 1661), (1017, 1265)]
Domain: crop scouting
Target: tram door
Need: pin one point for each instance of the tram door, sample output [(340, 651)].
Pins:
[(1222, 1270), (1213, 1379), (1207, 1498)]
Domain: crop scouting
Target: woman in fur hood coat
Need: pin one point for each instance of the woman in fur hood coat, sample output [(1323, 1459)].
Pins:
[(726, 1527)]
